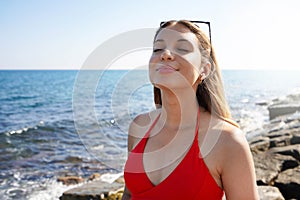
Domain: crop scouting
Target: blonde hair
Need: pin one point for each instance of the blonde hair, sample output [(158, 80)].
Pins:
[(210, 92)]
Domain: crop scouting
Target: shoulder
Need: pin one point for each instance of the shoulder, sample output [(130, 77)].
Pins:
[(233, 142), (232, 137), (225, 143), (222, 138), (235, 149), (236, 166), (229, 156), (139, 126)]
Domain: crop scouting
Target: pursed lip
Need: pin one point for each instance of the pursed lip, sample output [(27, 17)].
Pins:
[(166, 67)]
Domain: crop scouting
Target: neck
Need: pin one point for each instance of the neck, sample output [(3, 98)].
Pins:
[(179, 109)]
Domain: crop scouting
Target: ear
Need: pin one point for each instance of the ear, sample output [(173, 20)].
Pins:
[(205, 70)]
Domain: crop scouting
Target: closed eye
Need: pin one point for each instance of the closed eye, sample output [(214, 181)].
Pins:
[(156, 50), (183, 50)]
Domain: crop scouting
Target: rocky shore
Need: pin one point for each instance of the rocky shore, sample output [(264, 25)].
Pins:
[(276, 154), (95, 188), (276, 150)]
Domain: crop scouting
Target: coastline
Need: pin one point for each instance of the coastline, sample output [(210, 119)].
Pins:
[(275, 150)]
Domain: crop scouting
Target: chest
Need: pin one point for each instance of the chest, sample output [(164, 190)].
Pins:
[(161, 160)]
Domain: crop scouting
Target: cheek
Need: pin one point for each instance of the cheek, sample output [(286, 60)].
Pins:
[(192, 62), (151, 74), (152, 68), (195, 60), (191, 75), (153, 60), (192, 68)]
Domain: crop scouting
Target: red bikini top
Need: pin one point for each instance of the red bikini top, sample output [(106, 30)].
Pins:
[(190, 180)]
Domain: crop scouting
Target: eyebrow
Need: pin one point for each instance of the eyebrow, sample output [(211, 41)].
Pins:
[(180, 40)]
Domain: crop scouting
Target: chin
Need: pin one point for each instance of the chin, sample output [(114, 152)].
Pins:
[(171, 85)]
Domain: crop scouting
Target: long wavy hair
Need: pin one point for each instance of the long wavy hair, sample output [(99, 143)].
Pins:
[(210, 92)]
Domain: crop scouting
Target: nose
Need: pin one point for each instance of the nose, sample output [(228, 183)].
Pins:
[(167, 55)]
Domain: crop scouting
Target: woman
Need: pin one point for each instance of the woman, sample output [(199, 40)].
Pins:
[(188, 148)]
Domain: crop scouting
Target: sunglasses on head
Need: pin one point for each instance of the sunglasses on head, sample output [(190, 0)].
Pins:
[(196, 24)]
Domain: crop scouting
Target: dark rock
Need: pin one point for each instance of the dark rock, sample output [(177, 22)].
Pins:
[(278, 134), (257, 139), (295, 137), (280, 141), (288, 105), (276, 120), (92, 191), (289, 164), (276, 127), (120, 180), (293, 124), (259, 144), (269, 164), (73, 159), (292, 118), (94, 176), (292, 150), (262, 103), (282, 109), (70, 180), (269, 193), (116, 195), (267, 168), (288, 183)]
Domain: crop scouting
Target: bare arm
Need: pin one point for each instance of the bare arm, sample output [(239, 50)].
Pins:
[(136, 132), (127, 194), (132, 140), (238, 173)]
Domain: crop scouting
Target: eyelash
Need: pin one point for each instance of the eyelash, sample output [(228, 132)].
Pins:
[(183, 50), (156, 50), (179, 49)]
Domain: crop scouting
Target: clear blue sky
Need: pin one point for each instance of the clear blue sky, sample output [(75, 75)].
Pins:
[(60, 34)]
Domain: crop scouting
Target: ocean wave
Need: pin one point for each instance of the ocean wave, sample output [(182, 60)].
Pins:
[(252, 120), (48, 190), (52, 190), (19, 97), (25, 129)]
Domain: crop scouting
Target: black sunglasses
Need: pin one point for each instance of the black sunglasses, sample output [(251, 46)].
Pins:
[(195, 23)]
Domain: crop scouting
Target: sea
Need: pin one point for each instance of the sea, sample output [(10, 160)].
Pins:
[(57, 123)]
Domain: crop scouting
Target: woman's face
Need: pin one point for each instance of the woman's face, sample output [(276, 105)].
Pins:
[(176, 59)]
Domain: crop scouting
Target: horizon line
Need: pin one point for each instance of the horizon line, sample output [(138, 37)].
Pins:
[(127, 69)]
